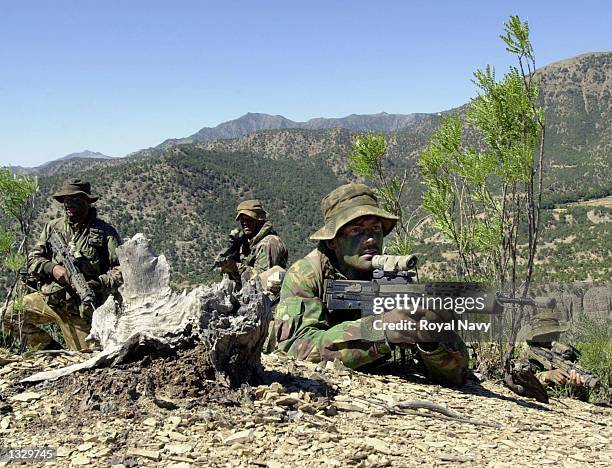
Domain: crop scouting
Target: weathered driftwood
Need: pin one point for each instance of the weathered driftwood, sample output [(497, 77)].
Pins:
[(233, 326)]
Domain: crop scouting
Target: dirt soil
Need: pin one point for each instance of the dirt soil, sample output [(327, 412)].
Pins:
[(169, 412)]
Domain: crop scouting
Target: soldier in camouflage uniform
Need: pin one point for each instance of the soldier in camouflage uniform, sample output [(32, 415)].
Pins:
[(544, 331), (352, 235), (93, 243), (262, 249)]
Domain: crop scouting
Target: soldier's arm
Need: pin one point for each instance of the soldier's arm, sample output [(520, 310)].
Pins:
[(270, 253), (261, 259), (303, 332), (446, 363), (112, 278), (40, 259), (536, 363)]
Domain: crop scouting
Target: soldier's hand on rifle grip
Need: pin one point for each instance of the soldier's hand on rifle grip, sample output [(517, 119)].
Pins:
[(95, 285), (402, 326), (555, 376), (394, 318), (576, 379), (61, 274), (229, 266)]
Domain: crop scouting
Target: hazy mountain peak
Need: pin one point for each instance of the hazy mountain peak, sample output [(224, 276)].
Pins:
[(84, 154), (255, 121)]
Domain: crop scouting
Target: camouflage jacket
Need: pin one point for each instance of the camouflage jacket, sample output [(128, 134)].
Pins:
[(94, 246), (539, 365), (263, 251), (528, 358), (307, 330)]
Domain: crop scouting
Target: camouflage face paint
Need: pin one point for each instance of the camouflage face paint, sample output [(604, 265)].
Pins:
[(249, 226), (356, 244), (76, 208)]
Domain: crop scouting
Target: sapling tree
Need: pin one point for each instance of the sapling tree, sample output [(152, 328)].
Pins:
[(366, 159), (481, 195), (481, 192), (17, 203)]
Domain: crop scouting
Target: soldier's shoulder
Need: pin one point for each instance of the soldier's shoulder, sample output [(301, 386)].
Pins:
[(272, 239), (102, 225), (310, 265), (55, 223), (303, 279)]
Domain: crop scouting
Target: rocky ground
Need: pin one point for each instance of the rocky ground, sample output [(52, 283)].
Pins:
[(165, 413)]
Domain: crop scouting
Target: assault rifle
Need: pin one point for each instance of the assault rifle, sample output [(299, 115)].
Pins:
[(392, 278), (78, 283), (561, 356), (232, 250)]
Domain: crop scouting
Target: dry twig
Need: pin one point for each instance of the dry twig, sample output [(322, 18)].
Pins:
[(412, 407)]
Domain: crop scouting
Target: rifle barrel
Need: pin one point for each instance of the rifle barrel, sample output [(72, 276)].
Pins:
[(540, 301)]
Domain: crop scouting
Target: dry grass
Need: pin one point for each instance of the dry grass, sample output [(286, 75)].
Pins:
[(605, 201)]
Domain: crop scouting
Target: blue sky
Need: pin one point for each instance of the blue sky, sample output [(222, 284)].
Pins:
[(117, 76)]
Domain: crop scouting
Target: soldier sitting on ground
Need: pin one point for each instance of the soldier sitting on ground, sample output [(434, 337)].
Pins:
[(352, 235), (92, 243)]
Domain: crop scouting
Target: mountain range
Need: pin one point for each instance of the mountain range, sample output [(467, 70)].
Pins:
[(86, 154), (62, 163), (183, 194), (253, 122), (250, 123), (575, 93)]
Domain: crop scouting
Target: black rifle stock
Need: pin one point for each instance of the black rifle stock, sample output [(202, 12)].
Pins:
[(78, 283), (232, 250)]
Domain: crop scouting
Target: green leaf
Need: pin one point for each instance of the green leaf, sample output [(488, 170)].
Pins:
[(399, 245), (15, 191), (516, 38), (367, 153), (14, 262), (6, 240)]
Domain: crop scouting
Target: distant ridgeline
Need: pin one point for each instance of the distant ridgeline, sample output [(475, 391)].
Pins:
[(183, 195)]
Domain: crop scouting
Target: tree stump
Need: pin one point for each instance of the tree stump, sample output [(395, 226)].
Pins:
[(151, 319)]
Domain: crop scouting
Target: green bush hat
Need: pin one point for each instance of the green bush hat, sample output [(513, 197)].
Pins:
[(252, 209), (75, 187), (349, 202), (542, 324)]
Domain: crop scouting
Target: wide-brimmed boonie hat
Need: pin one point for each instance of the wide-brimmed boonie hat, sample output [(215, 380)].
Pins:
[(349, 202), (252, 209), (75, 187), (542, 324)]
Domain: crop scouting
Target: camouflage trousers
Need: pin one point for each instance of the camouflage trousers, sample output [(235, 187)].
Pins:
[(38, 312)]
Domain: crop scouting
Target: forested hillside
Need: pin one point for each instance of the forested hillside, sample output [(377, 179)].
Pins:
[(184, 197), (185, 200)]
